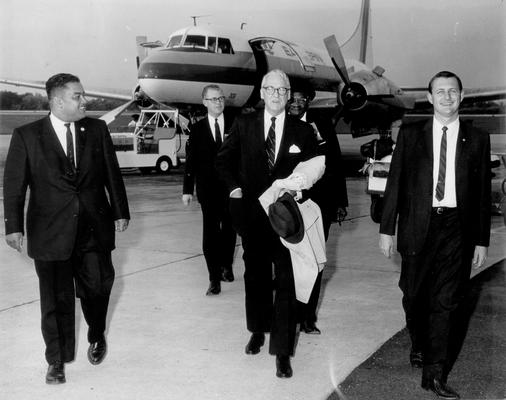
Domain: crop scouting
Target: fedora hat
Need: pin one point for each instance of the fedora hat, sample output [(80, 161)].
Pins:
[(286, 219)]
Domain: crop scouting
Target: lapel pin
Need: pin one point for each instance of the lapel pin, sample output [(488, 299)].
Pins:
[(82, 129)]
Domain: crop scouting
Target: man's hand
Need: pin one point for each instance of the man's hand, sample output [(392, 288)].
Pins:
[(15, 240), (121, 225), (341, 214), (479, 257), (386, 244), (187, 199)]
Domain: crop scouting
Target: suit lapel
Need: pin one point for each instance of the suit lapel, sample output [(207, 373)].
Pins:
[(209, 134), (461, 160), (51, 146), (258, 139)]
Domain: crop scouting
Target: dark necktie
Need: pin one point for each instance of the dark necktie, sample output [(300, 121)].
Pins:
[(70, 146), (440, 188), (217, 133), (270, 144)]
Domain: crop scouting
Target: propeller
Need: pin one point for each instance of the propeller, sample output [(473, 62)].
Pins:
[(353, 96)]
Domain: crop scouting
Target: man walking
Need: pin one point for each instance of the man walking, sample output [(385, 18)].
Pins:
[(439, 187), (261, 148), (329, 192), (218, 235), (68, 162)]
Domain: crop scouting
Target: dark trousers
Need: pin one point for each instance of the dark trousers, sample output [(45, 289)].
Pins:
[(432, 283), (263, 248), (93, 272), (218, 236), (307, 312)]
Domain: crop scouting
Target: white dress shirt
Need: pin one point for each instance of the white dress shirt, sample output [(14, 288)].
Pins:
[(280, 123), (61, 132), (221, 124), (450, 194)]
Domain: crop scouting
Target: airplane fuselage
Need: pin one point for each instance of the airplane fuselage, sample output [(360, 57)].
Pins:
[(192, 58)]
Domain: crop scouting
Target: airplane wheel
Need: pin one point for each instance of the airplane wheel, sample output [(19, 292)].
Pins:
[(145, 170), (163, 165), (376, 208)]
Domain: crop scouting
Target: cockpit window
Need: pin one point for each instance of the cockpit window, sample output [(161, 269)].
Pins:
[(174, 41), (211, 44), (224, 46), (195, 41)]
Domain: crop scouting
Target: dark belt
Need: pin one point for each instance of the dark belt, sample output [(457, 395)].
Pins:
[(443, 210)]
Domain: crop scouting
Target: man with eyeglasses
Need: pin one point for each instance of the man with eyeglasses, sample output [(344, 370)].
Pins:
[(439, 188), (330, 190), (77, 202), (218, 235), (261, 148)]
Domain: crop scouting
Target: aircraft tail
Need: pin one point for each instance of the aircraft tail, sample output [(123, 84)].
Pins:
[(359, 45)]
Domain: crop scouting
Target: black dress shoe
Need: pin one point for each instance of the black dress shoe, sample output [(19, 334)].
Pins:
[(283, 367), (214, 288), (255, 342), (442, 390), (227, 275), (55, 373), (310, 328), (416, 359), (97, 351)]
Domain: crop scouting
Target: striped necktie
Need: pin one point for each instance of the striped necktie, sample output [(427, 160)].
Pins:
[(270, 144), (440, 187)]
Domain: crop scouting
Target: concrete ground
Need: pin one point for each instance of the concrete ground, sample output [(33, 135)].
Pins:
[(167, 340)]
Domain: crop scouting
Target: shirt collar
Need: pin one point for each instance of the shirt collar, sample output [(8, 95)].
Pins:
[(452, 126), (212, 119), (57, 122), (280, 118)]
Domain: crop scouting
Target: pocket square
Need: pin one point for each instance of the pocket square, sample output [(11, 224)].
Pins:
[(294, 149)]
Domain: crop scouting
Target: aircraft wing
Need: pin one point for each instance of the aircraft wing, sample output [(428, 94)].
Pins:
[(108, 94), (399, 101), (473, 95)]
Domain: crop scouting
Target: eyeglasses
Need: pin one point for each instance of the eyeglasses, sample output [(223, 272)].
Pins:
[(280, 90), (220, 99)]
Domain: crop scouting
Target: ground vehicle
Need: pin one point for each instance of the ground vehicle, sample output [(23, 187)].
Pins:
[(152, 143)]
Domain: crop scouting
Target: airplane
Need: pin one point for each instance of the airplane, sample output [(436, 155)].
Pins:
[(172, 75)]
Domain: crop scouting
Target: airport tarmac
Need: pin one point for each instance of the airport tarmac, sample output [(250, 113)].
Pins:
[(167, 340)]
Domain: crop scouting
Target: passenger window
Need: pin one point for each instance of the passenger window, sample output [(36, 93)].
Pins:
[(195, 41), (211, 44), (174, 41), (224, 46)]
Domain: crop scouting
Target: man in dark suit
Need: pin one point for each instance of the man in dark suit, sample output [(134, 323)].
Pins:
[(261, 148), (68, 162), (439, 186), (218, 235), (329, 192)]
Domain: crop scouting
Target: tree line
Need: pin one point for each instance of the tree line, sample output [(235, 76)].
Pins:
[(38, 102)]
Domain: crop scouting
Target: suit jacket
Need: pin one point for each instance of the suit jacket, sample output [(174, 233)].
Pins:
[(330, 191), (242, 160), (409, 189), (200, 169), (59, 193)]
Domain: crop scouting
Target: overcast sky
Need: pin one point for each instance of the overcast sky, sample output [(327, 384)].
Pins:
[(95, 39)]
